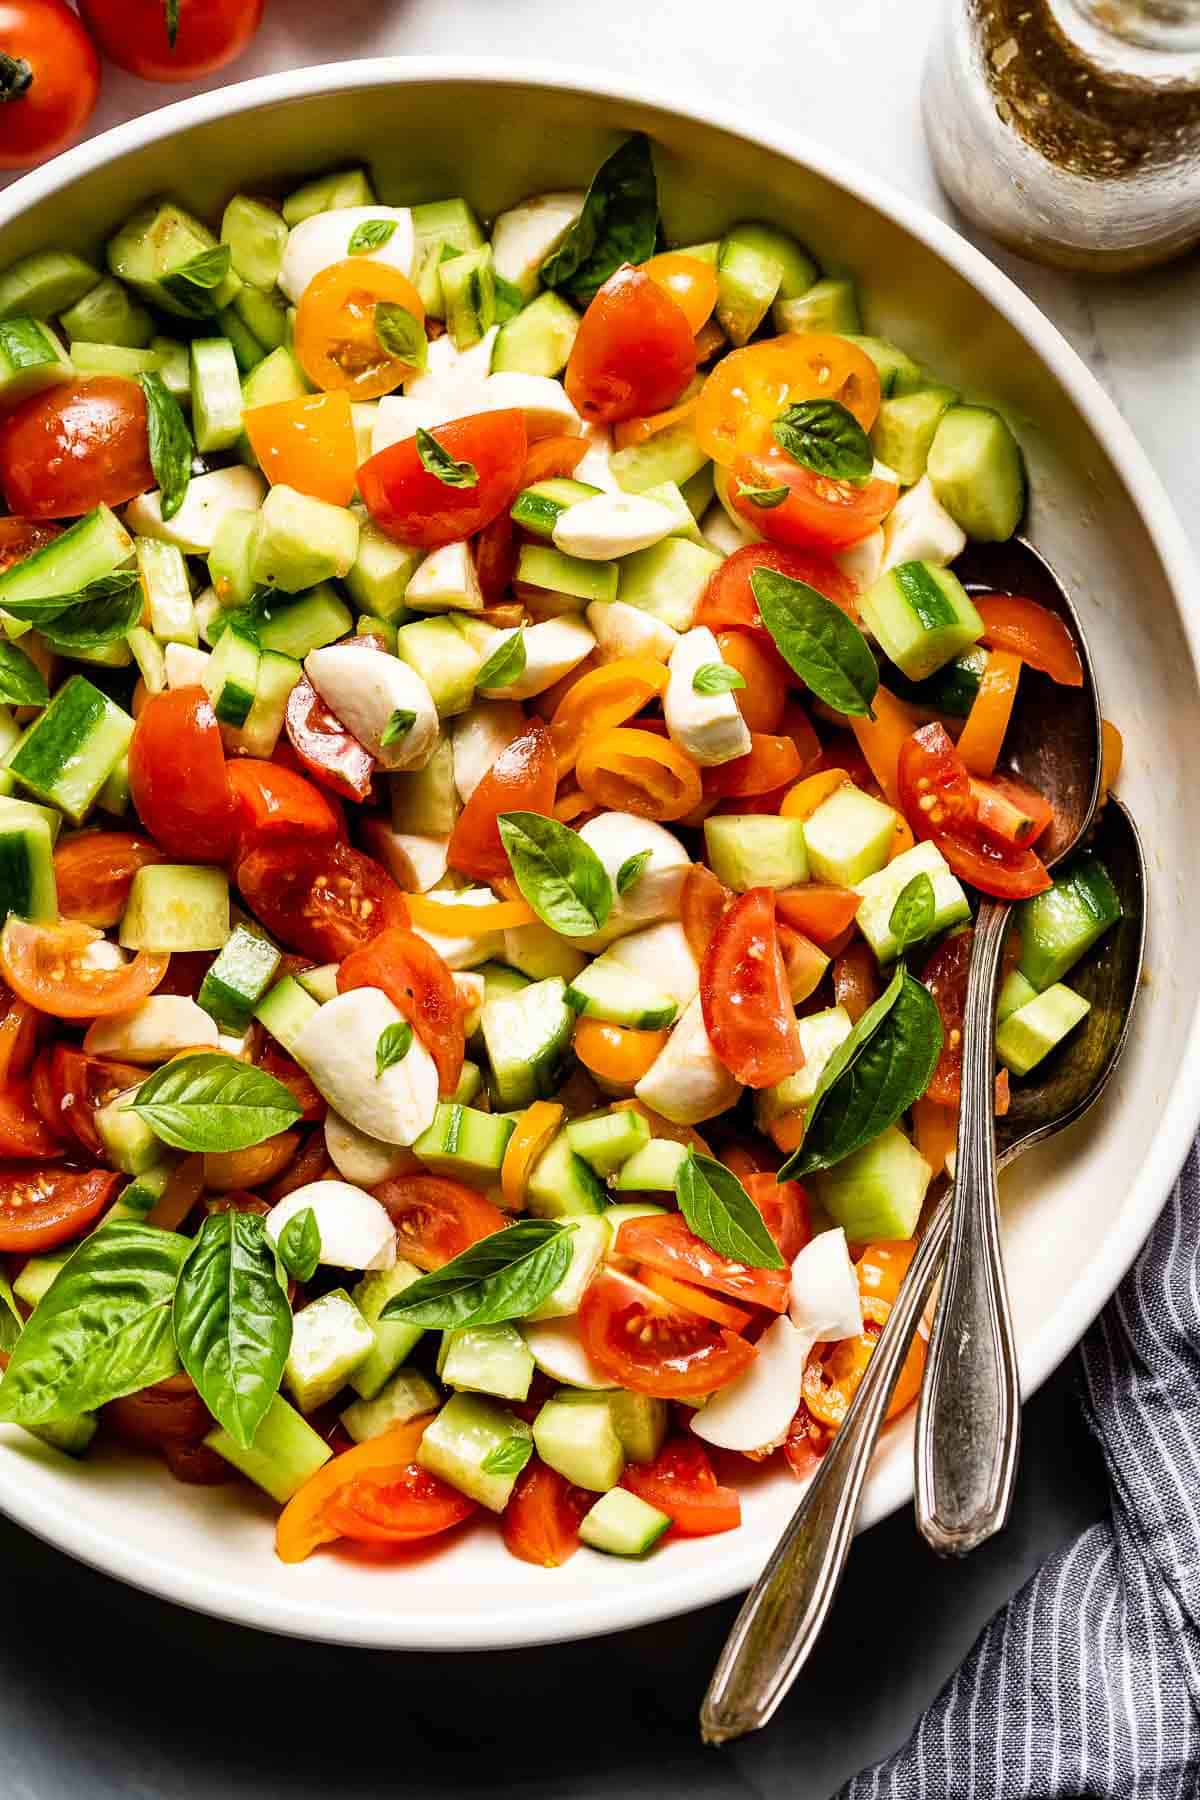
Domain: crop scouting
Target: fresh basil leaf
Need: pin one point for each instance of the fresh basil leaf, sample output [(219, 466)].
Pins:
[(506, 664), (891, 1071), (102, 1329), (192, 285), (97, 620), (393, 1045), (764, 497), (233, 1324), (817, 640), (398, 726), (618, 224), (632, 870), (10, 1319), (300, 1245), (716, 678), (171, 12), (43, 610), (912, 916), (508, 1458), (401, 335), (372, 234), (211, 1103), (844, 1056), (561, 877), (826, 437), (719, 1210), (21, 681), (504, 1276), (439, 462), (170, 444), (509, 300)]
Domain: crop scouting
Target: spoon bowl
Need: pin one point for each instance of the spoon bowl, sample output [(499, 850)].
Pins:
[(786, 1609)]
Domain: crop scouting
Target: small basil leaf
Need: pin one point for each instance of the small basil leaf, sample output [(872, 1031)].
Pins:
[(398, 726), (817, 640), (401, 335), (618, 224), (913, 914), (393, 1045), (439, 462), (21, 681), (632, 870), (170, 444), (372, 234), (300, 1245), (719, 1210), (826, 437), (508, 1458), (506, 664), (716, 678), (504, 1276), (764, 497), (509, 300), (97, 619), (192, 284), (102, 1329), (561, 877), (233, 1324), (211, 1103), (891, 1070)]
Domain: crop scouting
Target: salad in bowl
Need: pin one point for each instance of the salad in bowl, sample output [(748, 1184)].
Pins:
[(497, 765)]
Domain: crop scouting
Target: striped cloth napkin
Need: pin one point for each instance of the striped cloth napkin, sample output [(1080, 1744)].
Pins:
[(1088, 1681)]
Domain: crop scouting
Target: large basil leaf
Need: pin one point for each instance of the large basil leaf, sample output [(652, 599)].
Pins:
[(561, 877), (21, 681), (97, 620), (170, 444), (842, 1058), (892, 1070), (101, 1330), (719, 1210), (825, 436), (618, 224), (47, 608), (817, 640), (211, 1103), (233, 1324), (504, 1276)]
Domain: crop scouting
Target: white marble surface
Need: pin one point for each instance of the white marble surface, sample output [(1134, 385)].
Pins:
[(108, 1693)]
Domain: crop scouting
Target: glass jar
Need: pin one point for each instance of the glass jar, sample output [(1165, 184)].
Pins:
[(1070, 129)]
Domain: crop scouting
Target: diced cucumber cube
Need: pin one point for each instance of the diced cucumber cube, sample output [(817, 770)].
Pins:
[(37, 1278), (747, 850), (425, 801), (48, 282), (300, 541), (256, 235), (881, 891), (898, 373), (176, 906), (149, 656), (129, 1142), (609, 1139), (382, 570), (160, 239), (589, 1240), (922, 617), (320, 982), (668, 580), (540, 953), (114, 359), (231, 676), (93, 547), (405, 1396), (574, 1434), (239, 978), (31, 359), (1030, 1033), (527, 1037), (27, 885), (1015, 992), (329, 193), (849, 837), (651, 1169), (977, 472), (877, 1192), (394, 1338), (1059, 926), (293, 628), (820, 1035), (216, 394), (259, 733), (539, 340), (622, 1524), (487, 1359), (459, 1441), (330, 1338), (168, 591), (285, 1012), (828, 305), (640, 1421), (444, 660), (70, 749), (465, 1143), (72, 1435), (571, 578), (537, 509), (285, 1452), (561, 1185), (618, 995), (469, 293), (904, 429), (670, 455)]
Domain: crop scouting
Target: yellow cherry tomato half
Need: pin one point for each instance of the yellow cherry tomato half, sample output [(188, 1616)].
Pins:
[(692, 284), (750, 388), (336, 341)]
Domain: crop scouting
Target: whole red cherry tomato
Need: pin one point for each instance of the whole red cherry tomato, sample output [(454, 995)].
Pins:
[(49, 79), (134, 34)]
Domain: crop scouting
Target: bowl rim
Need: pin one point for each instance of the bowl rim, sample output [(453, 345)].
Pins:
[(626, 1605)]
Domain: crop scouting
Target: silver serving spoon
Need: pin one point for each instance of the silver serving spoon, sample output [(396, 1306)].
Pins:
[(969, 1412), (788, 1605)]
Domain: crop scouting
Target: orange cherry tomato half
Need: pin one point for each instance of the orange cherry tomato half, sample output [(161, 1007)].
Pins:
[(25, 1131), (729, 598), (770, 762), (1032, 632), (302, 1526), (417, 508), (420, 986), (20, 1028), (322, 900), (616, 1053), (42, 1208), (693, 1299), (640, 431), (436, 1218), (936, 799), (764, 698), (531, 1135), (74, 446), (540, 1524), (680, 1482), (307, 444), (94, 870), (692, 284), (856, 980), (50, 968), (750, 388), (818, 513), (702, 902), (69, 1087), (602, 698), (668, 1244), (638, 772), (177, 777), (748, 1011), (335, 340), (523, 778), (553, 457), (634, 352), (821, 911), (982, 735), (642, 1342), (396, 1506)]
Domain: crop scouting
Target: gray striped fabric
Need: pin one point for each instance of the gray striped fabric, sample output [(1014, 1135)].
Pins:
[(1088, 1682)]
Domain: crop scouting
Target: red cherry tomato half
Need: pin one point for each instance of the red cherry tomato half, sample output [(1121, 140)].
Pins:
[(324, 746), (94, 871), (74, 446), (323, 900), (177, 777), (729, 599), (770, 763), (936, 799), (275, 803), (748, 1011), (133, 34), (436, 1218), (643, 1343), (784, 1207), (634, 352), (670, 1246), (680, 1482), (418, 983), (24, 1129), (50, 967), (49, 88), (278, 1063), (42, 1208), (523, 778), (541, 1521), (417, 507), (402, 1507), (818, 513), (69, 1088)]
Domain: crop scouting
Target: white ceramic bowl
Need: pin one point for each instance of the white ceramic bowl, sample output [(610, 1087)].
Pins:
[(1075, 1213)]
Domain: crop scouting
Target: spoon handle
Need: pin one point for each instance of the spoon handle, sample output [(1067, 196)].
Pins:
[(969, 1413), (785, 1610)]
